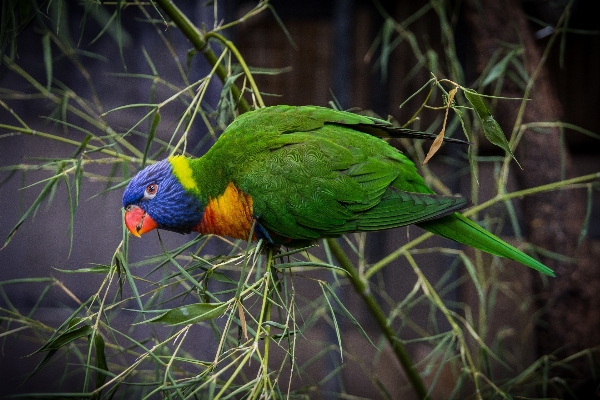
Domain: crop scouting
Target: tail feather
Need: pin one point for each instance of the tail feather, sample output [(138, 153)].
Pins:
[(461, 229)]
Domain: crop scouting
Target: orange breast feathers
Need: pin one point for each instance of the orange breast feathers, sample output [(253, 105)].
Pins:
[(229, 214)]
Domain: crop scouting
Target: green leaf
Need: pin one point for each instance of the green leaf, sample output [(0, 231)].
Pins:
[(333, 318), (586, 219), (77, 178), (491, 128), (47, 51), (348, 314), (44, 361), (190, 56), (151, 135), (275, 325), (498, 69), (220, 277), (100, 360), (74, 322), (121, 264), (191, 314), (310, 264), (98, 269), (65, 338), (46, 191), (27, 280), (387, 45), (286, 334), (473, 274), (83, 145), (472, 161)]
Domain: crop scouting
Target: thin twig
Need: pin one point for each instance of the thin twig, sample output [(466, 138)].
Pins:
[(361, 288)]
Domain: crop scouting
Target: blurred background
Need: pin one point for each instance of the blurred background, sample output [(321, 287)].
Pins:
[(347, 53)]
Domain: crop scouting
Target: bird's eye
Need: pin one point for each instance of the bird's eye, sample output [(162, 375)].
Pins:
[(151, 191)]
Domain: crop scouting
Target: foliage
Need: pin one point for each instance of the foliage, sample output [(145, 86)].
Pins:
[(243, 301)]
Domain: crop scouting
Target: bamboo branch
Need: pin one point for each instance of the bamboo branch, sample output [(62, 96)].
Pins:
[(91, 148), (200, 42), (361, 288)]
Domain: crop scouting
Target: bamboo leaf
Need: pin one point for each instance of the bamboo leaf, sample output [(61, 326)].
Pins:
[(41, 364), (324, 286), (191, 314), (27, 280), (77, 178), (47, 51), (472, 161), (491, 128), (66, 338), (586, 219), (499, 68), (46, 191), (100, 360), (348, 314), (307, 264), (83, 144), (98, 269), (151, 135), (220, 277)]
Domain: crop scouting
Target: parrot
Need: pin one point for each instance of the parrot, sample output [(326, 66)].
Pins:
[(291, 175)]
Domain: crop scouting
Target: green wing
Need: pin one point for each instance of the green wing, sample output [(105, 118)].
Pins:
[(312, 172), (315, 175), (286, 119)]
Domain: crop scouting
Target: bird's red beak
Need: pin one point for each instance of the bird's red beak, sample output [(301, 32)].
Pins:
[(138, 221)]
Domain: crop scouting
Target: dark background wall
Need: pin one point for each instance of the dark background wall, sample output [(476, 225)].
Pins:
[(332, 55)]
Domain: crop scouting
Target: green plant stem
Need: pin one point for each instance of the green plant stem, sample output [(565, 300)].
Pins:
[(361, 288), (200, 42), (518, 127), (91, 118), (242, 62), (267, 329), (526, 192), (89, 147)]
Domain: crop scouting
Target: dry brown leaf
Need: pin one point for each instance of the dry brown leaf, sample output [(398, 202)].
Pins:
[(242, 319), (437, 143), (435, 146)]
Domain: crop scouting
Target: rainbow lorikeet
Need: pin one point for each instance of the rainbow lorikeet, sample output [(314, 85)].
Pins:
[(297, 174)]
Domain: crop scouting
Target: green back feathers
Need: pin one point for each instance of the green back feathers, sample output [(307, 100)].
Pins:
[(310, 178), (312, 172)]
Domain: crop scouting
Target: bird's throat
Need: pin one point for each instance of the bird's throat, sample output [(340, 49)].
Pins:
[(229, 214)]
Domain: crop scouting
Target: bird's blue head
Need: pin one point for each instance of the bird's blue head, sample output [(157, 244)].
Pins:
[(156, 199)]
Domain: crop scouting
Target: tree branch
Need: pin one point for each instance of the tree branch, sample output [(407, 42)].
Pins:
[(200, 42)]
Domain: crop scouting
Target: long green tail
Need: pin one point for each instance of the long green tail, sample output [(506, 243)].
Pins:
[(461, 229)]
